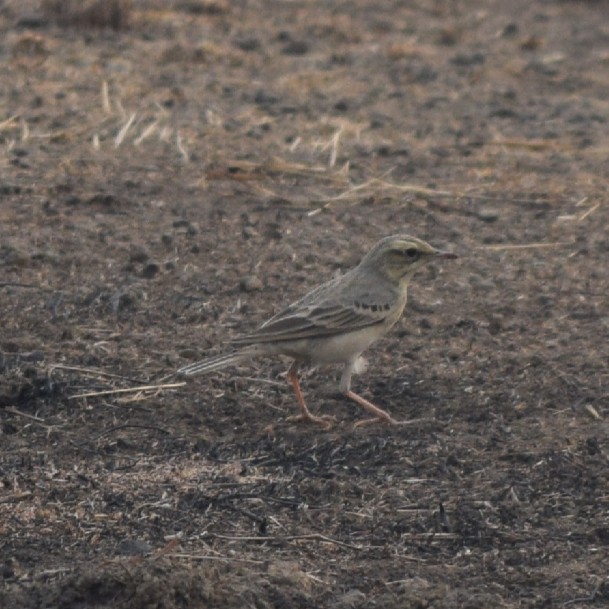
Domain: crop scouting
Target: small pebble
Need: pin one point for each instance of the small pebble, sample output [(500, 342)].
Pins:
[(133, 547), (191, 228), (248, 232), (150, 270), (424, 323), (138, 253), (251, 283), (248, 43), (296, 47), (488, 214)]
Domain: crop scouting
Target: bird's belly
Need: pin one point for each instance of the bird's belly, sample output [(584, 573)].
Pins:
[(337, 349)]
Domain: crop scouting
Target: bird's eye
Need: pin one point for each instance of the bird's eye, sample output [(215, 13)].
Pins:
[(412, 252)]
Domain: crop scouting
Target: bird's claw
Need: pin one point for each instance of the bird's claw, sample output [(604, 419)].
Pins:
[(325, 420), (388, 420)]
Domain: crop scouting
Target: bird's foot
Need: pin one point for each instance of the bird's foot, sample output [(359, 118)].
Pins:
[(389, 420), (325, 420), (380, 416), (384, 418)]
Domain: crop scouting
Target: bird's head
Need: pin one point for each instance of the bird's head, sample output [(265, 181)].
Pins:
[(399, 256)]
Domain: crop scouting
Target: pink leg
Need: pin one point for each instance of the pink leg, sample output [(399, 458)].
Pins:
[(305, 414), (380, 415)]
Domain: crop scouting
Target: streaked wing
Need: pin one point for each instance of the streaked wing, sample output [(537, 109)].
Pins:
[(310, 322)]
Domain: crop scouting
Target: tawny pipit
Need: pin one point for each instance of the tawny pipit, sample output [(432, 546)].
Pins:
[(337, 321)]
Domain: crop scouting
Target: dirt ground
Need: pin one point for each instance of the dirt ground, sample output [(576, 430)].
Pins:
[(175, 172)]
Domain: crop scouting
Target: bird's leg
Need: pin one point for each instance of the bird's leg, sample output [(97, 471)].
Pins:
[(380, 416), (305, 414)]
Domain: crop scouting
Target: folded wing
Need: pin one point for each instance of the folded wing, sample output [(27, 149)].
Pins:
[(310, 322)]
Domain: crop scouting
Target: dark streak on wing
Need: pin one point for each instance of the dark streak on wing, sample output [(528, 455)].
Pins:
[(323, 321)]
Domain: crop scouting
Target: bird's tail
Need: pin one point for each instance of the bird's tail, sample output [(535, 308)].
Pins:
[(215, 362)]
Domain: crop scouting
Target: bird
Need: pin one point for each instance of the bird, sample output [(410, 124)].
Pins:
[(336, 321)]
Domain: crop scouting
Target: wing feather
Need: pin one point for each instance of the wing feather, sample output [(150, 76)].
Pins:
[(311, 323), (321, 313)]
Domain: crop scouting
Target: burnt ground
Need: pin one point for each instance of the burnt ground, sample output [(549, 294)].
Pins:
[(171, 183)]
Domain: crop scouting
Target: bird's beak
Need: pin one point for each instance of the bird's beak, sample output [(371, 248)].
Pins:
[(446, 255)]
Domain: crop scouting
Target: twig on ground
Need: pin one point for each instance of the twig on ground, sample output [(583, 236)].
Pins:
[(123, 131), (94, 372), (14, 497), (126, 390), (304, 537), (16, 284), (522, 246), (209, 557), (588, 212), (14, 411)]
